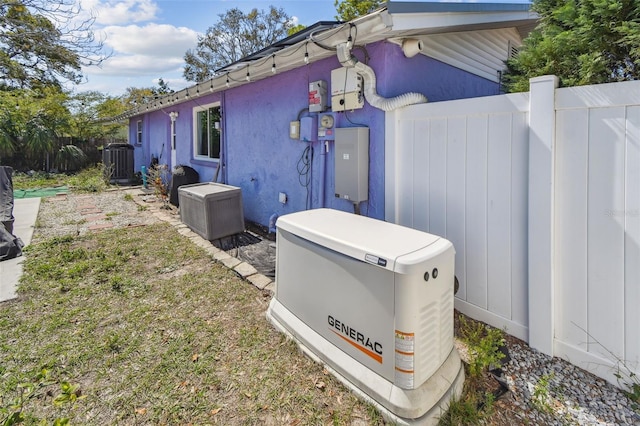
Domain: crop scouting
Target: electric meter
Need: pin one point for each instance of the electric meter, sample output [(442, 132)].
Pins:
[(326, 127), (326, 121)]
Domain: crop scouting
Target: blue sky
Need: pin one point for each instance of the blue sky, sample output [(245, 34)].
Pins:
[(148, 38)]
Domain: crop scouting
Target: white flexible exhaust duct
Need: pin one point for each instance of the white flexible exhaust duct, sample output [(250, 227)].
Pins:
[(370, 91)]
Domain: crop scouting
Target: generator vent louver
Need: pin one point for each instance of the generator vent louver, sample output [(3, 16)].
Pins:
[(429, 315)]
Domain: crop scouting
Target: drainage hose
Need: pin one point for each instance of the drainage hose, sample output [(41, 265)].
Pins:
[(377, 101), (370, 91)]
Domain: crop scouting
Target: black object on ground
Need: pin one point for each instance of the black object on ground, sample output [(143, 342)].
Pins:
[(10, 245), (498, 374), (254, 246), (118, 161), (182, 175), (6, 197)]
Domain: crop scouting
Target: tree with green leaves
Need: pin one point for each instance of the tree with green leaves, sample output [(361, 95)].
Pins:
[(163, 88), (236, 35), (31, 124), (90, 128), (111, 107), (47, 128), (350, 9), (580, 41), (295, 29), (43, 42), (136, 96), (89, 110)]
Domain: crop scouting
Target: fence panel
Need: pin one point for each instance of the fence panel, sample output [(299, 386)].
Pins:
[(459, 169), (597, 227)]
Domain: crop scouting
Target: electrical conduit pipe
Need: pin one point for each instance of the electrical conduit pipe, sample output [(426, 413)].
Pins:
[(370, 91), (323, 169)]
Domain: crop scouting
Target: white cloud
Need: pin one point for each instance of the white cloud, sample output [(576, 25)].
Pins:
[(162, 41), (114, 12), (138, 65), (141, 49)]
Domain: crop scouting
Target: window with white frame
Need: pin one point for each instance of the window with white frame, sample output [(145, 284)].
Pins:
[(206, 128), (139, 132)]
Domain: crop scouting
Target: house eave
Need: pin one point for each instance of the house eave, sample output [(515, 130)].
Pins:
[(399, 7), (377, 26)]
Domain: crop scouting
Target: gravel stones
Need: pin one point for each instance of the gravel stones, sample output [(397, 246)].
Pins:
[(552, 391)]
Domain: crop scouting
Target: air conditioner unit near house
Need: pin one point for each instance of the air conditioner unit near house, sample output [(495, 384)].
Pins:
[(373, 301), (212, 210)]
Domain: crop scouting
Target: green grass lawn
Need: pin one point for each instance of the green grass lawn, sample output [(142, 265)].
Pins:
[(140, 326), (38, 180), (91, 179)]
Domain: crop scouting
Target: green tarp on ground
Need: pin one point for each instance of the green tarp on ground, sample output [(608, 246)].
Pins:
[(39, 192)]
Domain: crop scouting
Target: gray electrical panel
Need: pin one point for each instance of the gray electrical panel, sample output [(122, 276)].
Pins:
[(352, 163)]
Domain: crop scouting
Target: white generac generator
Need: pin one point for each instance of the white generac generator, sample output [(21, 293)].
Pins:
[(373, 301)]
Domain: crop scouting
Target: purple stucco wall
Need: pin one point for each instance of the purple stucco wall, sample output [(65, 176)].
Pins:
[(157, 137), (263, 160), (437, 80)]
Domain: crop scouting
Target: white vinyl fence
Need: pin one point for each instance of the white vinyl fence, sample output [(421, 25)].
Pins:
[(540, 194)]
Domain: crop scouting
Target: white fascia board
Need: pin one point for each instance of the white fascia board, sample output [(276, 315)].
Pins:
[(434, 21)]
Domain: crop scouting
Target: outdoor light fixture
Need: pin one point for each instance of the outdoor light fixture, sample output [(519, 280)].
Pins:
[(306, 54), (186, 95), (248, 75), (273, 63), (227, 84), (411, 47), (211, 88)]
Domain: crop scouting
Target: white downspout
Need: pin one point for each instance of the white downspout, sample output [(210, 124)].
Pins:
[(370, 90)]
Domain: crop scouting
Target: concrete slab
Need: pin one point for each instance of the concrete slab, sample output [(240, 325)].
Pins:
[(25, 211), (245, 270), (221, 255), (230, 262), (259, 280), (271, 287)]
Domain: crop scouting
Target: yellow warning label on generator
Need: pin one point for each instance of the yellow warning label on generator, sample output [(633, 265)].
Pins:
[(404, 358)]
